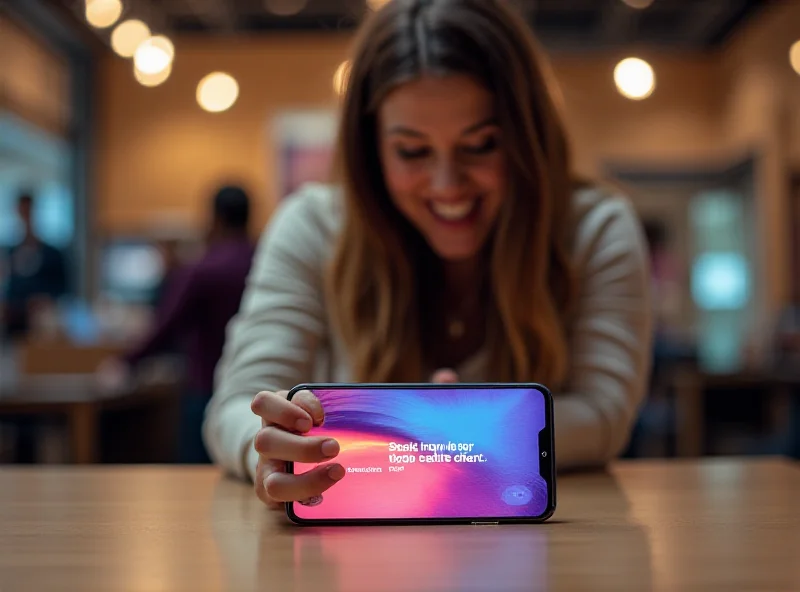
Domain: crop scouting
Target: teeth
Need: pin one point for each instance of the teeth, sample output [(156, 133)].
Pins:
[(453, 211)]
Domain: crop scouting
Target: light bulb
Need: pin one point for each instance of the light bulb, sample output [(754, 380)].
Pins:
[(634, 78), (217, 92), (151, 80), (103, 13), (794, 56), (154, 54), (127, 36)]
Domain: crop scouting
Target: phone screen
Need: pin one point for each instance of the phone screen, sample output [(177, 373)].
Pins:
[(435, 452)]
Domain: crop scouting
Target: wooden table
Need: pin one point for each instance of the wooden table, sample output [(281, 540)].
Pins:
[(672, 526), (78, 398), (691, 388)]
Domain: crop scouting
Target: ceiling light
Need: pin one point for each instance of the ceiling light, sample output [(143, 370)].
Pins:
[(103, 13), (634, 78), (151, 80), (377, 4), (154, 54), (794, 56), (128, 36), (217, 92), (285, 7), (341, 77)]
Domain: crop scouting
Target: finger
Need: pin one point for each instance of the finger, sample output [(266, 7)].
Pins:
[(285, 487), (309, 401), (265, 469), (277, 410), (274, 443), (444, 376)]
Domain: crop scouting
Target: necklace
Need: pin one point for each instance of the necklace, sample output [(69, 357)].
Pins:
[(455, 328), (455, 321), (467, 307)]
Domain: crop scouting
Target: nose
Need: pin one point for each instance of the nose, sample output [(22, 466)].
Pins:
[(446, 178)]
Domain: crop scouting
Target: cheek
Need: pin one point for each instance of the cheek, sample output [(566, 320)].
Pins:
[(492, 178), (402, 181)]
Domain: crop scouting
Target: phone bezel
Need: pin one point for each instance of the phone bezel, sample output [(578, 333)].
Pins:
[(547, 464)]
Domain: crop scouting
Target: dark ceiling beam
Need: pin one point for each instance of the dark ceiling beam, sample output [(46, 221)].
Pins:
[(216, 14), (151, 12), (618, 24), (705, 19)]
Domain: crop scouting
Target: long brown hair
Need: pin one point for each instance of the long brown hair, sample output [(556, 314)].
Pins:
[(375, 290)]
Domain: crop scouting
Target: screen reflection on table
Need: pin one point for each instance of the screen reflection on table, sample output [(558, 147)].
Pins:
[(419, 558)]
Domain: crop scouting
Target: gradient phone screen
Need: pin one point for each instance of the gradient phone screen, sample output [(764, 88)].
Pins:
[(443, 452)]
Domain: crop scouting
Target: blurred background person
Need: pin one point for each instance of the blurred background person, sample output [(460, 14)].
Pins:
[(199, 301), (172, 265), (36, 275)]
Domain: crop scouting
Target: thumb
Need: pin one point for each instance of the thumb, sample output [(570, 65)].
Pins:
[(444, 375)]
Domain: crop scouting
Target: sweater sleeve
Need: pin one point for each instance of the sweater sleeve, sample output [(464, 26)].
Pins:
[(611, 339), (271, 343)]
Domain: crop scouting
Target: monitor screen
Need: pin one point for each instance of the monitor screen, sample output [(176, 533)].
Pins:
[(131, 270)]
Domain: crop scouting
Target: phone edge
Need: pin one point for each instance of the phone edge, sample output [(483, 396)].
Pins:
[(552, 501)]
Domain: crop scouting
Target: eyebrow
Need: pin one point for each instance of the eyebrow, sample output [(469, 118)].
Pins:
[(407, 131)]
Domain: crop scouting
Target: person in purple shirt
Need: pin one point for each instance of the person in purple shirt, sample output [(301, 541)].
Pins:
[(195, 310)]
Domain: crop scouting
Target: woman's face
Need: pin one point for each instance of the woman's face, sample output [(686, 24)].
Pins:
[(443, 161)]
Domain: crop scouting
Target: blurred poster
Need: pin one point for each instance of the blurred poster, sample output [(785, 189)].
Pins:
[(304, 143)]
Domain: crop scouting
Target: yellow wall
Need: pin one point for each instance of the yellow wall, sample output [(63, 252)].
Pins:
[(157, 150), (34, 80), (677, 125)]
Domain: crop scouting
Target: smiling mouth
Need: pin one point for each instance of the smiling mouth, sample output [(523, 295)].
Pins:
[(455, 211)]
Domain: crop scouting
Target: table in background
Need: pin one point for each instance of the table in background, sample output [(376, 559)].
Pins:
[(692, 387), (681, 525), (76, 397)]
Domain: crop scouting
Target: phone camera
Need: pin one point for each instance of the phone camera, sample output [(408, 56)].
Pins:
[(544, 453)]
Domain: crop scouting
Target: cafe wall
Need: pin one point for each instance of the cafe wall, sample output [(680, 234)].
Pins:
[(158, 150), (34, 80), (159, 153), (761, 116)]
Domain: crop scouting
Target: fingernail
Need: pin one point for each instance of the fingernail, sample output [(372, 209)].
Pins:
[(336, 472), (303, 425), (330, 448)]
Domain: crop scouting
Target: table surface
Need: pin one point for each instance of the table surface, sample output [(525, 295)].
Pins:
[(682, 525)]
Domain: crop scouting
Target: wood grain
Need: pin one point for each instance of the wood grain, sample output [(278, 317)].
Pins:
[(689, 525)]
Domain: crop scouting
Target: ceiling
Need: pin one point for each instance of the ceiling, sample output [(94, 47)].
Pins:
[(560, 24)]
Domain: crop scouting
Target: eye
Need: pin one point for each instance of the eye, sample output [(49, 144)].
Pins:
[(488, 145), (412, 154)]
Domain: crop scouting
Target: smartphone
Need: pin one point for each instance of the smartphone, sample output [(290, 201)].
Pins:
[(434, 454)]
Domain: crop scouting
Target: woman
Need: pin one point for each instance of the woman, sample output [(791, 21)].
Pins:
[(456, 239)]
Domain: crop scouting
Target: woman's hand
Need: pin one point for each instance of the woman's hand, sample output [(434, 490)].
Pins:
[(282, 439), (444, 375)]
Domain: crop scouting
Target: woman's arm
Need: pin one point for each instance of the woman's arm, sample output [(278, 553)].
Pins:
[(272, 342), (611, 338)]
